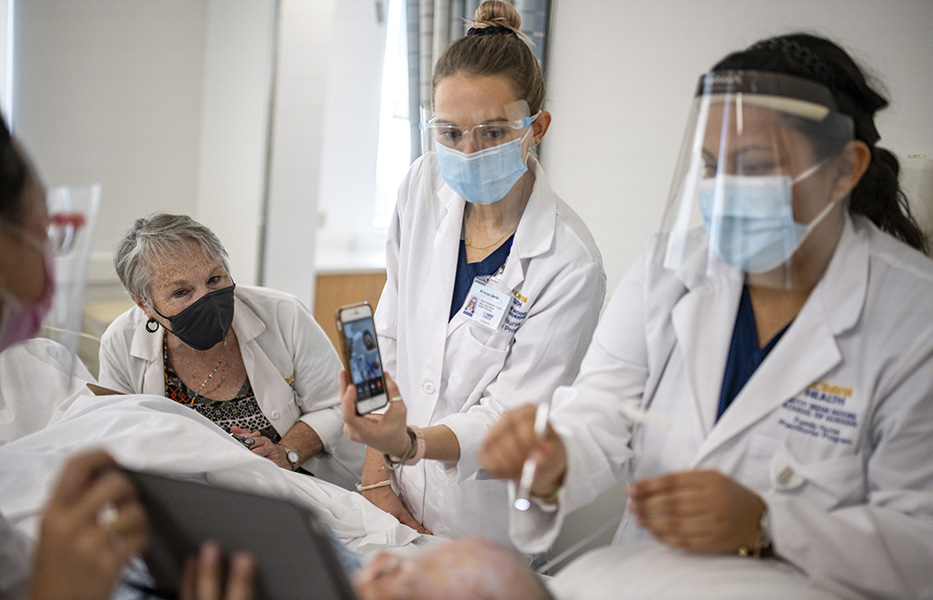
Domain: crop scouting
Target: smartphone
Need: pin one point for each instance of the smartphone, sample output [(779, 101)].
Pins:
[(361, 358), (243, 439)]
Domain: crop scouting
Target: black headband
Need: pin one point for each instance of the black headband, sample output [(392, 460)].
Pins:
[(491, 30), (801, 55), (859, 103)]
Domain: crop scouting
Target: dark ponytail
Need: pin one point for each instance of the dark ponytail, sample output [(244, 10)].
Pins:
[(878, 195), (13, 172)]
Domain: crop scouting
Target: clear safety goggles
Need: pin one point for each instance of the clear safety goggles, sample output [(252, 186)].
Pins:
[(478, 137), (743, 194), (479, 151), (477, 130)]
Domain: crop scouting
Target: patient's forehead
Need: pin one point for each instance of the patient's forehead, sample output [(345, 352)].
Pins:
[(470, 569), (458, 570)]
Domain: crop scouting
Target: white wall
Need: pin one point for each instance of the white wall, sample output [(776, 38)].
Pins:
[(233, 114), (109, 91), (304, 49), (622, 74)]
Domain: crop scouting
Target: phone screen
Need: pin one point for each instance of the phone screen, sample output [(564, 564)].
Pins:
[(364, 363)]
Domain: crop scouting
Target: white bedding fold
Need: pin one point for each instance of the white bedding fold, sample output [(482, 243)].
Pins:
[(154, 434)]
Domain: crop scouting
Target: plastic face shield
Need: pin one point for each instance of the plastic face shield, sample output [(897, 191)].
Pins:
[(744, 194), (480, 151), (72, 216)]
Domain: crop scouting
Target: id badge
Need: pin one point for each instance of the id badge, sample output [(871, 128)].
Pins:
[(485, 304)]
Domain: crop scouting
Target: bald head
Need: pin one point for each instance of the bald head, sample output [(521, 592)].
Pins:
[(458, 570)]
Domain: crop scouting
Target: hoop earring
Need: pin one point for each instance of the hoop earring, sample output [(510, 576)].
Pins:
[(152, 322)]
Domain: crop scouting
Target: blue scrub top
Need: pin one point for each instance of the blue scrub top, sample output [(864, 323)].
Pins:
[(466, 272), (744, 354)]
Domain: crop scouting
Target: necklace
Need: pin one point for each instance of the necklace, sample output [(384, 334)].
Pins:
[(209, 377), (217, 366), (469, 242)]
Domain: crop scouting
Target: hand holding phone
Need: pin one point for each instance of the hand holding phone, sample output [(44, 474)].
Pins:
[(361, 358), (245, 440), (386, 432)]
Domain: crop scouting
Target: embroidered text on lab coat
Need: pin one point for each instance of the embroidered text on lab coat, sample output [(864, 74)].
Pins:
[(822, 411)]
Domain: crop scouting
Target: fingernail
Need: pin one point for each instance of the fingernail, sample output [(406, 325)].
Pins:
[(210, 551), (242, 562)]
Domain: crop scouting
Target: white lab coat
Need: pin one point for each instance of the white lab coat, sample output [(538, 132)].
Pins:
[(850, 492), (291, 365), (461, 374)]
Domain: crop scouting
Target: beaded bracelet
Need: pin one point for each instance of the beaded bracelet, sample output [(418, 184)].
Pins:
[(362, 488)]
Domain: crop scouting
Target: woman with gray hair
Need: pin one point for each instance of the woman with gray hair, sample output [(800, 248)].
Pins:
[(252, 360)]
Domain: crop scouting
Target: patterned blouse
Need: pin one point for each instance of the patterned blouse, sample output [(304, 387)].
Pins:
[(242, 411)]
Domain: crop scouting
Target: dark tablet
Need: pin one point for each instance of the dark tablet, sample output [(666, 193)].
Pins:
[(294, 554)]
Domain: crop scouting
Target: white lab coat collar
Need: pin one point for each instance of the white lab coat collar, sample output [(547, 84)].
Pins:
[(808, 348), (148, 346), (535, 234)]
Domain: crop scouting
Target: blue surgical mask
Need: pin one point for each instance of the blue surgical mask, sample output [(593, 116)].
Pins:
[(482, 177), (754, 222)]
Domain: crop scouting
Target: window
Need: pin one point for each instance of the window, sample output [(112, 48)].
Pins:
[(394, 145)]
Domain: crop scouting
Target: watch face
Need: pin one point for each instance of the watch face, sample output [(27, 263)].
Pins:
[(292, 457)]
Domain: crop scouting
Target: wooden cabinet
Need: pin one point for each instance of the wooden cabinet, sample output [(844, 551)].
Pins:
[(336, 289)]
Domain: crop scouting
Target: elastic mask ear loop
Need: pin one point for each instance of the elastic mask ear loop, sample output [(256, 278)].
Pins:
[(534, 146), (809, 171), (826, 209), (812, 224)]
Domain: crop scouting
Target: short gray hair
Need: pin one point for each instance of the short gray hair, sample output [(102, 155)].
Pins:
[(153, 237)]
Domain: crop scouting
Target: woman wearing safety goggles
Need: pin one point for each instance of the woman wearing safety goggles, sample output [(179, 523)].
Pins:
[(494, 287), (764, 370)]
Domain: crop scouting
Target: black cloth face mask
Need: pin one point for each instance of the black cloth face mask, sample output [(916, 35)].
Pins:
[(205, 323)]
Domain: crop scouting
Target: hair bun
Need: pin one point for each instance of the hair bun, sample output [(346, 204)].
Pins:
[(495, 13)]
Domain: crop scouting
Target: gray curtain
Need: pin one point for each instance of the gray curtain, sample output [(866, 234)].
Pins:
[(433, 24)]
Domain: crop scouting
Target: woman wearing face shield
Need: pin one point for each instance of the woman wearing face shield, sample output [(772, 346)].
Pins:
[(475, 217), (252, 360), (764, 370)]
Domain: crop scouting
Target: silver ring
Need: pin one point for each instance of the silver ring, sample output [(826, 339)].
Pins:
[(396, 399), (107, 515), (108, 519)]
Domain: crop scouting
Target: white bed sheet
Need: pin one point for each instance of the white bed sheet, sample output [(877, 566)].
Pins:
[(147, 433), (646, 570)]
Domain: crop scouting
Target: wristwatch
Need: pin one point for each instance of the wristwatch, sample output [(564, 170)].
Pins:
[(762, 547), (291, 455)]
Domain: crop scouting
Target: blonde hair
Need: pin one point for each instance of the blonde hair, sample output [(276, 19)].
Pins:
[(504, 52)]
